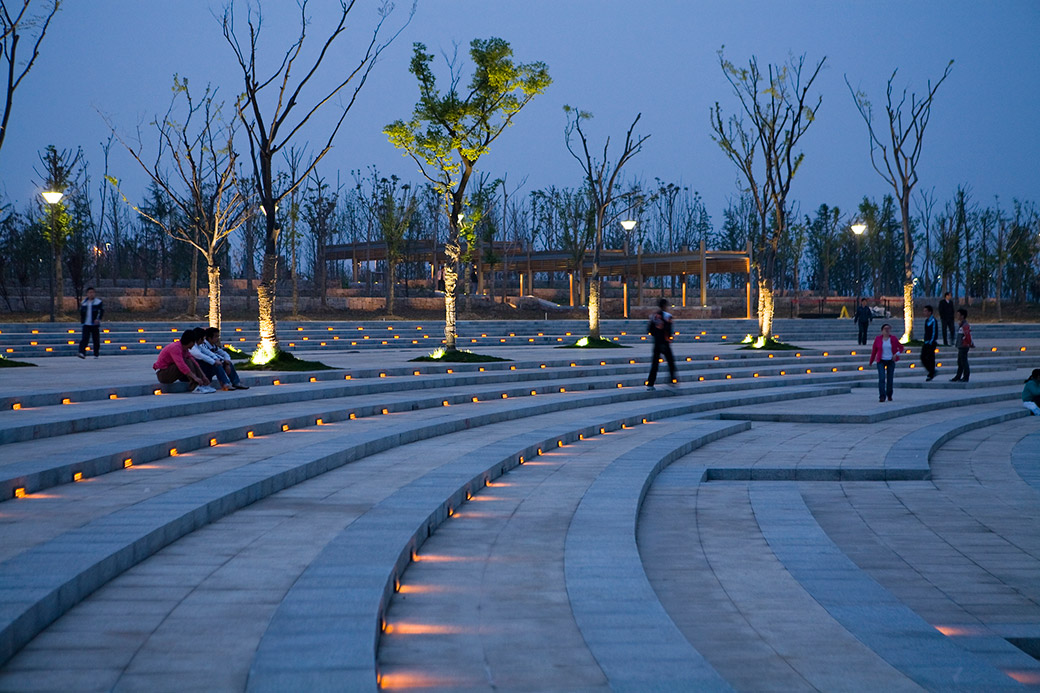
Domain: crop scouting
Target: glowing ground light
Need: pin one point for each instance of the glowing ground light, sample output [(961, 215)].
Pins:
[(249, 434), (352, 416), (285, 427), (173, 452), (19, 492), (127, 463), (16, 406), (584, 341), (277, 382), (66, 401), (77, 476), (319, 422), (113, 396)]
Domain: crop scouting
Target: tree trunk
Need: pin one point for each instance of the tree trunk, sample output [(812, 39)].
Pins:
[(390, 271), (451, 277), (213, 274), (265, 296), (908, 270), (765, 307), (594, 293), (295, 285), (59, 283), (193, 286)]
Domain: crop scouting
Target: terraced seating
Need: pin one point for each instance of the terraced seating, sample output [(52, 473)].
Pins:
[(299, 542)]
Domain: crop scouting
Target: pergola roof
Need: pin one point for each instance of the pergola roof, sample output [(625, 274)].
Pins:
[(613, 263)]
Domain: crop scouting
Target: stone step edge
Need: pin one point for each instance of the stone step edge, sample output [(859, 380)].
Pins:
[(41, 474), (48, 425), (257, 379), (914, 451), (916, 648), (95, 561), (390, 535), (606, 580), (891, 412)]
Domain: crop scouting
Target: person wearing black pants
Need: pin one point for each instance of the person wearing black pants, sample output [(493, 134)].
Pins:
[(931, 343), (90, 312), (863, 318), (946, 316), (964, 344), (660, 327)]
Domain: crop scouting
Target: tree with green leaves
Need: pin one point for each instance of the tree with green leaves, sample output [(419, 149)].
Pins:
[(448, 133), (895, 156), (58, 176), (601, 179), (779, 111)]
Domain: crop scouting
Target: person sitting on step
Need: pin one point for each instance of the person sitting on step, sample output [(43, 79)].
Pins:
[(175, 363), (211, 343), (208, 361), (1031, 393)]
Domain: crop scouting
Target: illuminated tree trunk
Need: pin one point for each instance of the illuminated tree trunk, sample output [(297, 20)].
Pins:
[(391, 268), (765, 307), (451, 277), (594, 292), (213, 273), (908, 268), (265, 295)]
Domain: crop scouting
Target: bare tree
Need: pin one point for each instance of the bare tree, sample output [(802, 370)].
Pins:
[(899, 153), (199, 148), (16, 22), (777, 105), (601, 176), (273, 123)]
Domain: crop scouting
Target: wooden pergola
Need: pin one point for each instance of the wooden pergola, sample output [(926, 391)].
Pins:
[(613, 263)]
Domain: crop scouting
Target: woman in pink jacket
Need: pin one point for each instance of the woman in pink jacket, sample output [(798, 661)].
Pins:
[(886, 352)]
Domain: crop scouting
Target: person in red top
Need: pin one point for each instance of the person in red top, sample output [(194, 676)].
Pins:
[(963, 343), (176, 363), (886, 352)]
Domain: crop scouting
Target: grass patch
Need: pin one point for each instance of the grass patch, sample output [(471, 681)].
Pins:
[(284, 361), (236, 354), (8, 363), (594, 343), (770, 344), (457, 356)]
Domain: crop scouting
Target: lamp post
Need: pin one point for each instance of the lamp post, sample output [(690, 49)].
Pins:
[(52, 197), (857, 230), (628, 225)]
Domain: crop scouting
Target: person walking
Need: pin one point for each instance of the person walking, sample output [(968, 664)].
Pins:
[(862, 319), (91, 311), (660, 327), (885, 352), (946, 316), (931, 342), (1031, 393), (963, 343)]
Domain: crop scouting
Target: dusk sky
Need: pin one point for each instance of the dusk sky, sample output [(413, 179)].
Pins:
[(615, 59)]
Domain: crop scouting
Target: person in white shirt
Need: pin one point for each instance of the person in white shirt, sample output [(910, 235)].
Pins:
[(212, 343), (209, 363)]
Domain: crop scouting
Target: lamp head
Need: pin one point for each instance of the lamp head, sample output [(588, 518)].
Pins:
[(53, 197), (628, 224), (858, 229)]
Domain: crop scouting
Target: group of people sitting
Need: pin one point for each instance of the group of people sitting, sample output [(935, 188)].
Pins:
[(196, 358)]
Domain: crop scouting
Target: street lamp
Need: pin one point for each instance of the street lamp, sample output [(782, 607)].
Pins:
[(628, 225), (857, 230), (52, 197)]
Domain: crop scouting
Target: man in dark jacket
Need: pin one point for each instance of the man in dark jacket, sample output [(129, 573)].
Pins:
[(862, 319), (931, 342), (90, 312), (660, 328), (946, 316)]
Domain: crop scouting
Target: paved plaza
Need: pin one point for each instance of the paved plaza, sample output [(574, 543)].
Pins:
[(538, 524)]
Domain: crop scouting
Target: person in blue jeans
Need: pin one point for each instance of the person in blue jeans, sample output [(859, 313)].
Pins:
[(885, 352), (931, 342)]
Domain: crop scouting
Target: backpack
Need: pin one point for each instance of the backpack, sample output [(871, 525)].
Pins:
[(658, 326)]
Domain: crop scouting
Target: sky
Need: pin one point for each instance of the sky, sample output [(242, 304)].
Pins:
[(117, 58)]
